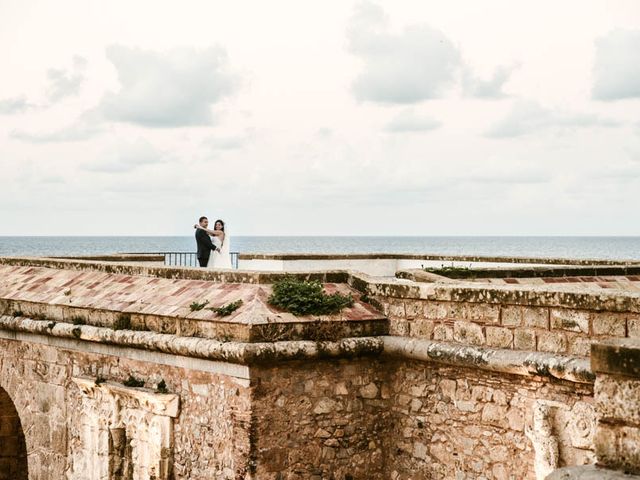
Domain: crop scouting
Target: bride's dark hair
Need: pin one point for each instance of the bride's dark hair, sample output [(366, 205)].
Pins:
[(221, 221)]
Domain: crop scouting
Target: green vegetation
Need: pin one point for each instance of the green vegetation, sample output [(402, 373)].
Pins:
[(123, 322), (100, 379), (76, 332), (227, 309), (302, 297), (162, 387), (196, 306), (133, 382), (17, 313)]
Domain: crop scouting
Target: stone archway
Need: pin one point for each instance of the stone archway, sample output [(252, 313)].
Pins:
[(13, 450)]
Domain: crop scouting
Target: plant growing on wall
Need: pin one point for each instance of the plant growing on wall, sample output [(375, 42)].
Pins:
[(227, 309), (302, 297), (197, 306)]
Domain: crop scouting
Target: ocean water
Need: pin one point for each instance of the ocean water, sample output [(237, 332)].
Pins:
[(571, 247)]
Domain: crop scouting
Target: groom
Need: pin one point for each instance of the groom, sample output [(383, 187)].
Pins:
[(205, 245)]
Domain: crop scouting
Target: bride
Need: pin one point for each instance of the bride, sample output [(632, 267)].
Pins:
[(220, 258)]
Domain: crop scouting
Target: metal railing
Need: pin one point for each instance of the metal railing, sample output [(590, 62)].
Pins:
[(189, 259)]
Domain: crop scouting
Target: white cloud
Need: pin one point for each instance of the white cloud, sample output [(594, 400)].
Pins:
[(474, 86), (168, 89), (416, 64), (88, 125), (410, 121), (63, 82), (127, 157), (530, 117), (9, 106), (617, 66)]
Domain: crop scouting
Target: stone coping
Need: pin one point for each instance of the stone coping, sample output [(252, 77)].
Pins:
[(460, 291), (573, 369), (526, 272), (232, 352), (560, 367), (435, 257), (617, 357)]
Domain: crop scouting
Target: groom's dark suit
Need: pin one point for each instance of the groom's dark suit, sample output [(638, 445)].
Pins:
[(205, 246)]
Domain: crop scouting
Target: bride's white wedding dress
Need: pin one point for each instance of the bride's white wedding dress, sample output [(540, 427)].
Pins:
[(221, 258)]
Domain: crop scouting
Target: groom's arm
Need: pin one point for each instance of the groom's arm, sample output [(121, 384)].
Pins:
[(206, 239)]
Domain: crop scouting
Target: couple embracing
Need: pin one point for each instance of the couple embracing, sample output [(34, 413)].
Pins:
[(213, 245)]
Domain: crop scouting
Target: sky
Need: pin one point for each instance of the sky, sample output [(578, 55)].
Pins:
[(320, 118)]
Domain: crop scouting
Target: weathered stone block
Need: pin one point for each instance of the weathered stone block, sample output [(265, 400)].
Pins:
[(554, 342), (436, 310), (611, 324), (414, 309), (499, 337), (468, 332), (617, 357), (572, 320), (617, 447), (633, 327), (480, 312), (535, 317), (422, 328), (524, 339), (443, 332), (511, 315), (579, 345), (618, 399), (399, 327)]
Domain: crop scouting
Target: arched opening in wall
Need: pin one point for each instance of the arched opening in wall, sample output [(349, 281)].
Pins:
[(13, 450)]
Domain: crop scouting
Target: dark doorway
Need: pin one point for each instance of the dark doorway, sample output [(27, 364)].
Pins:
[(13, 451)]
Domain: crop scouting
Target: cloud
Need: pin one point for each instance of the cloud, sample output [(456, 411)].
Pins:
[(473, 86), (9, 106), (410, 121), (64, 83), (88, 125), (530, 117), (169, 89), (416, 64), (127, 157), (616, 69), (226, 143)]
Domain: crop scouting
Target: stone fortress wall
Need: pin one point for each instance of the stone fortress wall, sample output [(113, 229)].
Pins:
[(420, 379)]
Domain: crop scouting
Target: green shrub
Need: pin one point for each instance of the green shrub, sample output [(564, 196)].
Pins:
[(162, 387), (302, 297), (133, 382), (196, 306), (227, 309)]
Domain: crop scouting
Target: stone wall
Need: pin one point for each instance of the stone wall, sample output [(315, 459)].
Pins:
[(320, 420), (465, 424), (552, 329), (68, 429)]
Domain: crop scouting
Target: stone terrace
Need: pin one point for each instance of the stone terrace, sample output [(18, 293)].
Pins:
[(424, 377)]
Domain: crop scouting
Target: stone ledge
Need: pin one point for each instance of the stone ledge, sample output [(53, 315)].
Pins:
[(165, 404), (232, 352), (515, 362), (617, 357), (590, 472)]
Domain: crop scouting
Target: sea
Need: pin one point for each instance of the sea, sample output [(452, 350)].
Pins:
[(627, 247)]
